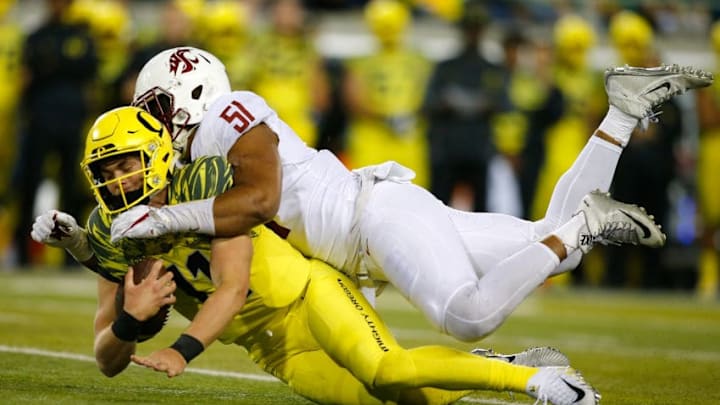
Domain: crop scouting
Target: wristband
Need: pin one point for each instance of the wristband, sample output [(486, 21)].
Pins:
[(126, 327), (188, 347), (80, 247)]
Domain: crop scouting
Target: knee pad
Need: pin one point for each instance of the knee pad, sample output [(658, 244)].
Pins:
[(471, 314), (396, 370)]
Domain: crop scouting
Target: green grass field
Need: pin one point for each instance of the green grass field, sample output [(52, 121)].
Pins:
[(634, 348)]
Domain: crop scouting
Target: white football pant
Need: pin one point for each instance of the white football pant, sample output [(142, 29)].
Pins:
[(468, 271)]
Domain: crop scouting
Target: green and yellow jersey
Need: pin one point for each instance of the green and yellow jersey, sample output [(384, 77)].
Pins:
[(322, 338), (278, 273)]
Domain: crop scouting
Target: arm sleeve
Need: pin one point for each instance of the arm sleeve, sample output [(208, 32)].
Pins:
[(206, 177)]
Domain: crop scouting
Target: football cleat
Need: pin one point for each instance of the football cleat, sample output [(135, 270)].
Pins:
[(638, 91), (610, 222), (532, 357), (561, 386)]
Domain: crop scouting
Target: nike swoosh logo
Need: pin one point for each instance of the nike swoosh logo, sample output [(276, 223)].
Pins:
[(579, 391), (664, 85), (643, 227)]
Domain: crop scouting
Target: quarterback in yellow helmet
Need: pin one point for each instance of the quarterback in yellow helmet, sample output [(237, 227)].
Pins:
[(298, 318)]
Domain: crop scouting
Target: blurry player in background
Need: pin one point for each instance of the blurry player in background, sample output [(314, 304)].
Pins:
[(649, 164), (383, 94), (288, 71), (708, 105), (464, 96), (582, 105), (225, 31), (581, 88), (297, 318), (59, 66), (11, 42), (110, 27)]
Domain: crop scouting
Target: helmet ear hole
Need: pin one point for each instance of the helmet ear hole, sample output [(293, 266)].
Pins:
[(197, 92)]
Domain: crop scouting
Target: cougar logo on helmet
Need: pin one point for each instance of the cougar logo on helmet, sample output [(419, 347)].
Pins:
[(181, 104), (179, 57)]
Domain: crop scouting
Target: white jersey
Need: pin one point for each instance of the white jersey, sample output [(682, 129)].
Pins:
[(465, 271), (318, 191)]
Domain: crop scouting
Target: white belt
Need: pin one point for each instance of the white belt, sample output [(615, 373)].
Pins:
[(357, 268)]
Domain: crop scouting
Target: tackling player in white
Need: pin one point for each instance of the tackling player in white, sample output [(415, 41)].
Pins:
[(465, 271)]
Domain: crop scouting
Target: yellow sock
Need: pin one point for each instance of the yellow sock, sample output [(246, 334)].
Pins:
[(450, 369)]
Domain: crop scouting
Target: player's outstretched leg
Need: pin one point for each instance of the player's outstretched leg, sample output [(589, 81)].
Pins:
[(532, 357), (638, 91), (633, 94)]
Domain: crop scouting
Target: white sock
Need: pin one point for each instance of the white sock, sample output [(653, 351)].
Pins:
[(569, 264), (569, 232), (618, 124)]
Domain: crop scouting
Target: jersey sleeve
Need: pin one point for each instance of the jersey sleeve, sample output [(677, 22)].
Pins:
[(228, 118), (279, 273), (112, 264), (206, 177)]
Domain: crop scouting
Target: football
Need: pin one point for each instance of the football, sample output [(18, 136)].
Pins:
[(154, 324)]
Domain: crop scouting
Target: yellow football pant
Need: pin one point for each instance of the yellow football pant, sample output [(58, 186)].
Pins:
[(334, 348)]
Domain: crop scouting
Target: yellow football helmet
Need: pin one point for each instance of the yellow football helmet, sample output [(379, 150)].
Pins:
[(5, 7), (121, 131), (225, 27), (632, 36), (193, 9), (110, 21), (79, 12), (573, 37), (387, 20)]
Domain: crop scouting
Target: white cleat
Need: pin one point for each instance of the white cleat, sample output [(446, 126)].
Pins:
[(532, 357), (638, 91), (561, 386), (610, 222)]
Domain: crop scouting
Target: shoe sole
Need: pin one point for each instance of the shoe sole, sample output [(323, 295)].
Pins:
[(532, 357), (703, 77), (652, 236)]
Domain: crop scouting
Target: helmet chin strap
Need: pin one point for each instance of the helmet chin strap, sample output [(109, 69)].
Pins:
[(181, 141), (115, 202)]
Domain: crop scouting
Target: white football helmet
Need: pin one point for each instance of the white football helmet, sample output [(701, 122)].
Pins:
[(177, 86)]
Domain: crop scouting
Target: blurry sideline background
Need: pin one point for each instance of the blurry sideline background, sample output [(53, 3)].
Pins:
[(339, 33)]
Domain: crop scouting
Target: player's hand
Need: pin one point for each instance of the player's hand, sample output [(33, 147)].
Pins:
[(144, 300), (141, 222), (166, 360), (58, 229)]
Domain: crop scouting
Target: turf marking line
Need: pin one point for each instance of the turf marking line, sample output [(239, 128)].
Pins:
[(89, 359), (215, 373)]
